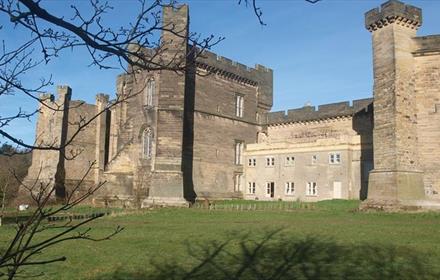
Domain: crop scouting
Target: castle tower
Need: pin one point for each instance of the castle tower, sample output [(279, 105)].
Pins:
[(51, 131), (167, 176), (397, 178)]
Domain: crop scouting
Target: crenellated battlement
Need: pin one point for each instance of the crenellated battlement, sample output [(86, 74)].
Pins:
[(258, 76), (393, 11), (173, 11), (427, 45), (325, 111), (102, 98), (231, 66)]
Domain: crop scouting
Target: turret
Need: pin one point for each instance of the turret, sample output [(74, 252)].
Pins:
[(396, 177)]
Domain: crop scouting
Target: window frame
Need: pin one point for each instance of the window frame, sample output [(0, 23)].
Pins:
[(289, 189), (252, 186), (238, 152), (252, 162), (334, 158), (289, 161), (147, 143), (312, 189), (238, 178), (270, 161), (150, 89), (239, 105), (314, 160)]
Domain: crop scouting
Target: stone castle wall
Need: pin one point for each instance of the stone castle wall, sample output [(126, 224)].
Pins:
[(195, 128), (406, 91), (427, 88)]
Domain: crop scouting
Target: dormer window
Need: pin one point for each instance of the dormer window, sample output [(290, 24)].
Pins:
[(150, 88)]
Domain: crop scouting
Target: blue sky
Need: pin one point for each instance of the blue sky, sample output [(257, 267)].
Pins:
[(320, 53)]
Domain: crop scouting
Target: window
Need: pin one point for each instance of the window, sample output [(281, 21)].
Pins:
[(252, 162), (314, 159), (237, 182), (125, 89), (312, 189), (251, 188), (290, 188), (334, 158), (147, 139), (289, 161), (239, 102), (270, 189), (149, 92), (239, 145), (270, 161)]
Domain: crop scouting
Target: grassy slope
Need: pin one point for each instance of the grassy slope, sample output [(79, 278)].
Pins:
[(153, 238)]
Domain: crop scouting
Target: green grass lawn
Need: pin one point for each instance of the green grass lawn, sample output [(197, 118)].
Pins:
[(329, 240)]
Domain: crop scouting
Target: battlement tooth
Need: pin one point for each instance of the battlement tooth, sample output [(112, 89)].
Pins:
[(324, 111)]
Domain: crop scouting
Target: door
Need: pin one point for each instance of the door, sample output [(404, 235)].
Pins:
[(270, 189), (337, 190)]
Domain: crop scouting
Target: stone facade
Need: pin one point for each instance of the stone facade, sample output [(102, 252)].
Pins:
[(209, 132), (406, 94)]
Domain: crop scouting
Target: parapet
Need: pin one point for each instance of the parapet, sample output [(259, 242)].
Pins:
[(259, 75), (102, 98), (427, 45), (170, 12), (64, 92), (393, 11), (326, 111)]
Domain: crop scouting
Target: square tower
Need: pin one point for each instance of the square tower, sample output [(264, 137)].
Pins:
[(397, 178)]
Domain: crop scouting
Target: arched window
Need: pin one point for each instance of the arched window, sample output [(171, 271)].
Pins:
[(147, 142), (149, 92)]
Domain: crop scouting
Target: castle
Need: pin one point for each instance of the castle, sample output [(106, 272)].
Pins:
[(192, 136)]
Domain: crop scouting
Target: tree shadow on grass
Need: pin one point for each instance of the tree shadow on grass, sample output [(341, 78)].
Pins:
[(277, 256)]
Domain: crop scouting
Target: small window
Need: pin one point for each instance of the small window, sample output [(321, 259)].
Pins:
[(270, 161), (312, 189), (289, 161), (251, 188), (150, 88), (252, 162), (124, 89), (237, 182), (334, 158), (239, 146), (290, 188), (147, 139), (314, 159), (239, 103)]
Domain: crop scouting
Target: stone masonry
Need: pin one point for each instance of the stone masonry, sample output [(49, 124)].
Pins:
[(209, 132), (406, 91)]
